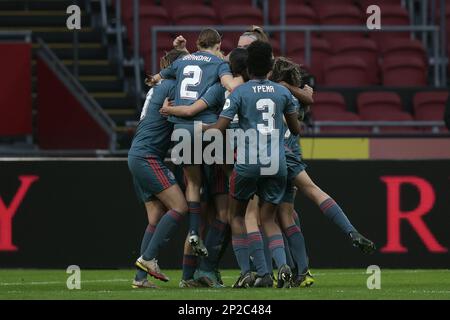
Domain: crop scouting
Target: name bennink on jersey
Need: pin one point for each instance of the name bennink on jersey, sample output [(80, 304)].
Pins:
[(263, 89), (197, 58)]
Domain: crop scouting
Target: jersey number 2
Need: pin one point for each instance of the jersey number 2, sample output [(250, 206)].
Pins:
[(193, 78)]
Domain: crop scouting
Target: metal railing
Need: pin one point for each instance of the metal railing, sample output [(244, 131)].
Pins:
[(377, 125), (78, 91), (308, 30), (25, 35)]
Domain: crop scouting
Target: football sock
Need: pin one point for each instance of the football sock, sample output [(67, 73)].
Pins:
[(333, 212), (194, 217), (287, 250), (225, 243), (298, 249), (164, 231), (213, 242), (140, 274), (240, 248), (189, 266), (276, 246), (267, 253), (256, 249)]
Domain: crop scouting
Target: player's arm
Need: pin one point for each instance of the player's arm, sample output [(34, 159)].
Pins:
[(230, 82), (184, 111), (305, 96), (221, 124), (293, 123), (180, 43)]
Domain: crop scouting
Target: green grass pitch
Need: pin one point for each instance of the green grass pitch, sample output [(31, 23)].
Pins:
[(330, 284)]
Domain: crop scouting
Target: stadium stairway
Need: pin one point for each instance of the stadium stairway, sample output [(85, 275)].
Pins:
[(98, 73)]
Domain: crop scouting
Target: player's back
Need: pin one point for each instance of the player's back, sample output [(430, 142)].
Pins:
[(153, 131), (291, 141), (195, 74), (262, 104)]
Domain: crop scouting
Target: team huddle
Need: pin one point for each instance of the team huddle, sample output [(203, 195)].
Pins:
[(246, 111)]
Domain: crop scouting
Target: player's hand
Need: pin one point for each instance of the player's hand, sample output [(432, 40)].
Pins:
[(151, 81), (165, 109), (180, 43), (308, 90)]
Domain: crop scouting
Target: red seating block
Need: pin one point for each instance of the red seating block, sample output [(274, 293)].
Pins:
[(346, 71), (404, 71)]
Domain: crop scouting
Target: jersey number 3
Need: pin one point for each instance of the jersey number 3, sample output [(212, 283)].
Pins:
[(193, 78), (269, 105)]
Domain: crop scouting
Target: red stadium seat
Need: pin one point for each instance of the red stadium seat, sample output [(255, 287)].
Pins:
[(150, 16), (296, 14), (403, 48), (344, 116), (346, 72), (340, 15), (379, 102), (219, 5), (331, 102), (384, 106), (392, 15), (171, 5), (404, 71), (381, 3), (318, 5), (320, 51), (365, 49), (330, 106), (194, 15), (240, 15), (430, 106), (164, 43)]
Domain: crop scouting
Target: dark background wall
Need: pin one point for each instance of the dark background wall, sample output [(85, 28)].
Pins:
[(86, 213)]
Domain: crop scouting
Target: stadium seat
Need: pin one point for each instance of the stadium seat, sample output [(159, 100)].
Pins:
[(381, 3), (240, 15), (379, 101), (403, 48), (194, 15), (365, 49), (340, 15), (164, 44), (176, 4), (296, 14), (346, 71), (319, 5), (404, 71), (149, 16), (332, 102), (392, 15), (384, 106), (330, 106), (430, 106), (218, 5), (320, 51)]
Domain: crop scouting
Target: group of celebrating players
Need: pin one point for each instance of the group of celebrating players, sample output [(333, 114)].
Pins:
[(238, 202)]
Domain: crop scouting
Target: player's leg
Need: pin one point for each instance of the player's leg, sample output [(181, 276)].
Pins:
[(155, 210), (193, 175), (296, 242), (271, 191), (241, 190), (257, 242), (161, 179), (190, 261), (332, 211)]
